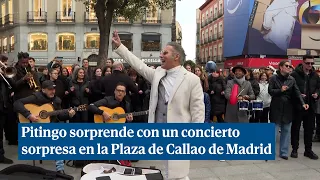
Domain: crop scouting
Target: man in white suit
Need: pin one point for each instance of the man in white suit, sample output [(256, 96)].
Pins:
[(176, 94)]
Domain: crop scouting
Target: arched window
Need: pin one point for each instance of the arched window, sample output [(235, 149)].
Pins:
[(38, 42), (92, 40), (66, 42)]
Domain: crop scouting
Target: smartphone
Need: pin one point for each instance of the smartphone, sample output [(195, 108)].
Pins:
[(103, 178)]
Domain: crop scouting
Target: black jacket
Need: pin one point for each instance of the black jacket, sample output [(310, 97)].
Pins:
[(217, 85), (21, 86), (79, 95), (281, 107), (5, 97), (307, 84), (108, 83), (109, 102), (39, 98)]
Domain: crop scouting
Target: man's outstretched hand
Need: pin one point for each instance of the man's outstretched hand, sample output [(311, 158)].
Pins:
[(116, 39)]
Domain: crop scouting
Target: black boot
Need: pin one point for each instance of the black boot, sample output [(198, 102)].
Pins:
[(316, 138), (294, 153), (310, 154), (4, 160)]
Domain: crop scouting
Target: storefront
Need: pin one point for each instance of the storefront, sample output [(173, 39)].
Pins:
[(148, 61), (258, 62)]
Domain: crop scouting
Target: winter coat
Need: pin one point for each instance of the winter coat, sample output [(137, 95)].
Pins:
[(281, 107), (233, 114)]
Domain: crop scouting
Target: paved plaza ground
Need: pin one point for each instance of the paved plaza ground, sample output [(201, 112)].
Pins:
[(292, 169)]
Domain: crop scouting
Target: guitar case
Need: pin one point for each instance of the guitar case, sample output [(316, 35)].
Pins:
[(28, 172), (105, 171)]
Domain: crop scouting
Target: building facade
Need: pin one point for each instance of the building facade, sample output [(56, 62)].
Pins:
[(211, 32), (178, 33), (66, 29), (198, 42)]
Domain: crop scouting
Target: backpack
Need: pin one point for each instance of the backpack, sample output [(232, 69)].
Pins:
[(26, 172)]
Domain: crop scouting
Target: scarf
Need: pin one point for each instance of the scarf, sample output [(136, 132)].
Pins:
[(240, 81)]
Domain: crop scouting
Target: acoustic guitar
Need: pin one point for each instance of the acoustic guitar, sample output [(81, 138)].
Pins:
[(45, 112), (117, 115)]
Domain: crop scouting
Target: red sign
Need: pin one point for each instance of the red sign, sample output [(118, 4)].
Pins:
[(257, 62)]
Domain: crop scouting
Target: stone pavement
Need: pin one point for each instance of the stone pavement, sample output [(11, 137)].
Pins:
[(292, 169)]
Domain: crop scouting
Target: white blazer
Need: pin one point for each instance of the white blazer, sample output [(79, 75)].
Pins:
[(185, 105)]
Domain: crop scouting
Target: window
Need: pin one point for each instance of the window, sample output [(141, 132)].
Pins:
[(3, 12), (206, 53), (66, 7), (210, 52), (38, 42), (11, 44), (151, 42), (38, 9), (66, 42), (153, 15), (4, 45), (126, 40), (92, 40), (202, 53)]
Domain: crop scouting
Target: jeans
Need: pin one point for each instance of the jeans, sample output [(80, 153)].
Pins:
[(284, 138), (59, 165)]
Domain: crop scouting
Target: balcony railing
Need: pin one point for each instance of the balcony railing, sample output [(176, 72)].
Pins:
[(121, 20), (37, 17), (220, 35), (151, 20), (210, 19), (214, 58), (8, 19), (90, 17), (203, 24), (215, 16), (214, 37), (220, 13), (65, 17)]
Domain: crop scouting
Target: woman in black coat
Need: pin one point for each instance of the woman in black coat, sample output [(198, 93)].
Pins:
[(217, 85), (283, 90)]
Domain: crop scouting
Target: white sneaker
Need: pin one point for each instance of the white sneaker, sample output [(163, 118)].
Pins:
[(222, 160)]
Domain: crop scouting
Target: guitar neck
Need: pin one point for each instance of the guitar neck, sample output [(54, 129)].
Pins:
[(57, 112), (140, 113)]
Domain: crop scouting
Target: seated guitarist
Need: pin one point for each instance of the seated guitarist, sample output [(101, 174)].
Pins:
[(47, 95), (113, 102)]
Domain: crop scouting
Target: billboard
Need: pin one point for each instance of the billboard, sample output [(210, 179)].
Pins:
[(270, 27)]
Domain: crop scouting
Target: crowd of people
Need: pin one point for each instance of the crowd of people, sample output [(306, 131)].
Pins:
[(289, 95)]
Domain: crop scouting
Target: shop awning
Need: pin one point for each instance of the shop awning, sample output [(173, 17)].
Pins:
[(258, 62)]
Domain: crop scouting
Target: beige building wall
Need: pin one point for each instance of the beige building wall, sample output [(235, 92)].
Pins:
[(178, 32), (19, 23)]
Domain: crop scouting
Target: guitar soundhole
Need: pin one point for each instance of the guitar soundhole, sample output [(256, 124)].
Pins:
[(43, 114), (115, 117)]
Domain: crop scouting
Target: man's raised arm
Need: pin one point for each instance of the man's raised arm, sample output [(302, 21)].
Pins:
[(131, 59)]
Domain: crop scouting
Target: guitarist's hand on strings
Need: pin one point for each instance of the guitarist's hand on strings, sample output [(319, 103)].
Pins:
[(71, 112), (105, 116), (33, 118), (129, 117)]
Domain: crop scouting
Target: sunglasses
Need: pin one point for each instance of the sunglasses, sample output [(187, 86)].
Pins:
[(309, 63), (288, 66)]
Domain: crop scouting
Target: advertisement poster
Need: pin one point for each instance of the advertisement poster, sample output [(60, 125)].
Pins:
[(271, 27)]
